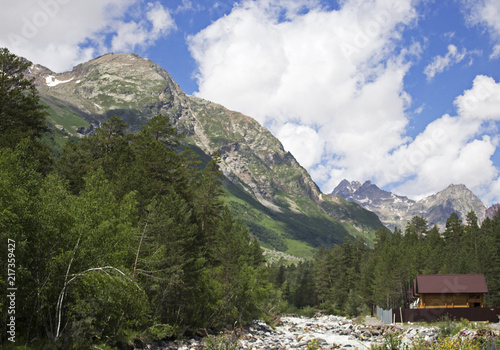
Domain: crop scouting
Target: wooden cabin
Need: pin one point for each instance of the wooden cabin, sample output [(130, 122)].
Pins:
[(449, 291)]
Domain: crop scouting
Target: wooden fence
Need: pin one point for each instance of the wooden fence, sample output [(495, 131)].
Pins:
[(438, 314)]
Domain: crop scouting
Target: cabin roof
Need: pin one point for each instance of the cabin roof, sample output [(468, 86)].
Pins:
[(450, 284)]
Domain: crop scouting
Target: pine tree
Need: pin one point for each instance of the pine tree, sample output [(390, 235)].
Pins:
[(21, 114)]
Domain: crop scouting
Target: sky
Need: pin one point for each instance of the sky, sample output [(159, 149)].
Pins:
[(405, 93)]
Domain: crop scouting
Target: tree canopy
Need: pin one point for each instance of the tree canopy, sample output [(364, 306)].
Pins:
[(351, 279), (21, 114), (125, 233), (129, 234)]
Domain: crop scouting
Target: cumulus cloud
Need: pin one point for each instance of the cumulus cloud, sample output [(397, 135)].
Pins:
[(304, 142), (487, 14), (144, 32), (62, 33), (329, 76), (482, 101), (456, 149), (296, 67), (440, 63), (329, 84)]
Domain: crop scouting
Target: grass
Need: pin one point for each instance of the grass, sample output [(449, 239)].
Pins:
[(298, 248), (64, 116)]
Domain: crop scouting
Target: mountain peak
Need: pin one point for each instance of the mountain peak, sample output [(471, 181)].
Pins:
[(116, 57), (266, 179), (491, 211), (124, 85), (457, 186), (394, 210), (346, 188)]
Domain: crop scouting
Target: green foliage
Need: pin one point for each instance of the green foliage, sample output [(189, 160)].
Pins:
[(351, 279), (21, 114), (307, 311), (161, 331), (448, 327), (125, 234), (100, 298), (266, 235), (391, 342), (220, 342), (313, 344)]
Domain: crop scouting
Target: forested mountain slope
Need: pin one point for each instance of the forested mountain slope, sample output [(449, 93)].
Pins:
[(125, 239), (270, 191)]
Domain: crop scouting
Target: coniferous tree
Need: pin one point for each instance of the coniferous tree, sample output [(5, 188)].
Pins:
[(21, 114)]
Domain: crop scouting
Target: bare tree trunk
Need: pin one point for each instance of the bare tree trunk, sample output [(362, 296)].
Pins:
[(133, 275), (63, 291)]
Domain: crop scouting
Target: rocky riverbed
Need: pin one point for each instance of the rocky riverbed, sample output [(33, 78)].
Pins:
[(329, 332)]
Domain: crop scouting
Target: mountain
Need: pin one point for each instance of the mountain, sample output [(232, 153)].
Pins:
[(396, 211), (268, 189), (491, 211)]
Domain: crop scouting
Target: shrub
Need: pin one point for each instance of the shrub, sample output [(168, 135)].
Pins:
[(220, 342)]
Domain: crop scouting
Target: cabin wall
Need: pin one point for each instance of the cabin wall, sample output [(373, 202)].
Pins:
[(444, 300)]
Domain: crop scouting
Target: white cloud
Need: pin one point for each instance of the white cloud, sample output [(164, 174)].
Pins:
[(186, 5), (62, 33), (144, 32), (440, 63), (456, 149), (482, 101), (496, 52), (329, 84), (419, 110), (485, 13), (303, 142), (333, 72)]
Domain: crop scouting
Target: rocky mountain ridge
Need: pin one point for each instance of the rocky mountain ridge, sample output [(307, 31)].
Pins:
[(491, 211), (269, 190), (395, 211)]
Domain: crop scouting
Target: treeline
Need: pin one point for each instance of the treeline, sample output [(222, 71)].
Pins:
[(121, 235), (126, 235), (351, 279)]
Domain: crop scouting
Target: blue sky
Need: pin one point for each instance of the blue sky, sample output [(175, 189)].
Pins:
[(404, 93)]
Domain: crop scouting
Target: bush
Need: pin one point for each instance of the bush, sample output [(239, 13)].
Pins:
[(313, 344), (161, 331), (220, 342), (447, 327), (307, 311)]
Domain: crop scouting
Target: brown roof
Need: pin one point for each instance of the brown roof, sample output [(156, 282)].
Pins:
[(425, 284)]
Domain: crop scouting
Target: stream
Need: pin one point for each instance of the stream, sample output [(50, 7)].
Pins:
[(327, 332)]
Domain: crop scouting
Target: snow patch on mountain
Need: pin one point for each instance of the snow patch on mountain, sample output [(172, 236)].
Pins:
[(51, 81)]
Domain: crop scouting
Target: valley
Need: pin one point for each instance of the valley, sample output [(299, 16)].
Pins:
[(134, 233), (267, 187)]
